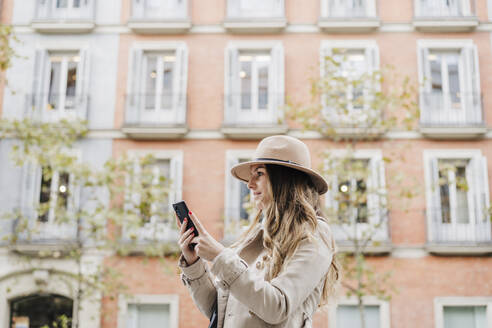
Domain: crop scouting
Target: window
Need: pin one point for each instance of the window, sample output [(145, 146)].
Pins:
[(50, 199), (356, 59), (453, 312), (40, 310), (148, 311), (60, 87), (443, 8), (158, 84), (238, 208), (65, 9), (156, 218), (348, 8), (346, 313), (357, 194), (254, 86), (54, 193), (457, 195), (450, 92), (159, 9), (255, 8)]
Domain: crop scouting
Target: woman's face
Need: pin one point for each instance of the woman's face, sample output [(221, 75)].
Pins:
[(258, 184)]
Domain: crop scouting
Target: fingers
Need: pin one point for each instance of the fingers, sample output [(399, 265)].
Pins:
[(185, 235), (198, 224), (186, 242)]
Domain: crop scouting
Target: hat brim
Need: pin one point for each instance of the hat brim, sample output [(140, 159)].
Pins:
[(242, 172)]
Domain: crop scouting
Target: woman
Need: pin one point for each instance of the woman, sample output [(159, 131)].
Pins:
[(282, 268)]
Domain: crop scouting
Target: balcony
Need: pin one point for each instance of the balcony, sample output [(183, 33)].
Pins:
[(444, 16), (253, 116), (452, 116), (253, 16), (349, 16), (155, 116), (49, 108), (162, 17), (69, 16), (43, 238), (449, 236), (379, 243)]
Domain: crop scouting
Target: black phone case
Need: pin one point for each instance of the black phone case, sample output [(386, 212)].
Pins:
[(183, 212)]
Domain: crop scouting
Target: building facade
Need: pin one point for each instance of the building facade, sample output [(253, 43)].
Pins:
[(199, 83)]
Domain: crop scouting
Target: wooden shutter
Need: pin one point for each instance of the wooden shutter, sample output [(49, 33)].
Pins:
[(180, 81), (435, 197), (276, 85), (231, 85), (135, 94)]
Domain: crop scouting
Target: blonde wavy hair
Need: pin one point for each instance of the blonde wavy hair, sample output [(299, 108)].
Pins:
[(290, 218)]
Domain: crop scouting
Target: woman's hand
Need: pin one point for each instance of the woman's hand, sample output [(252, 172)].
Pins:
[(184, 242), (206, 246)]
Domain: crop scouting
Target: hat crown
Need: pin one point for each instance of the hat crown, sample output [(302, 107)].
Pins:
[(284, 148)]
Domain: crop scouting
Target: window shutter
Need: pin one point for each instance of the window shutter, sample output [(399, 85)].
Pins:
[(175, 180), (277, 80), (473, 101), (331, 195), (425, 82), (371, 8), (233, 191), (480, 188), (372, 55), (135, 93), (83, 81), (31, 187), (138, 9), (231, 85), (435, 198), (40, 79), (233, 8), (180, 81)]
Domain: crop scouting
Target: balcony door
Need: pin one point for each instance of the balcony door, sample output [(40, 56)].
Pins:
[(158, 9), (442, 8), (446, 97), (159, 96), (254, 80)]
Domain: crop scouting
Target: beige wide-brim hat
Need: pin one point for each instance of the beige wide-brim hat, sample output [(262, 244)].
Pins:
[(282, 150)]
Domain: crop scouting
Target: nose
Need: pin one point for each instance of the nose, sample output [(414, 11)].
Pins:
[(250, 183)]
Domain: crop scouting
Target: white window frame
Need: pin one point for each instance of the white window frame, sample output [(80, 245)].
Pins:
[(476, 189), (32, 178), (375, 217), (232, 188), (160, 299), (234, 10), (371, 53), (370, 10), (421, 11), (136, 83), (384, 309), (232, 92), (39, 103), (441, 302), (139, 10), (469, 75), (155, 230)]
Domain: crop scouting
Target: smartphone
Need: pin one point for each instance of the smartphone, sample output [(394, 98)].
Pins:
[(182, 212)]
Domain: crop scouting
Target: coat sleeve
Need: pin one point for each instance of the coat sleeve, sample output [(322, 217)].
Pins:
[(275, 301), (197, 279)]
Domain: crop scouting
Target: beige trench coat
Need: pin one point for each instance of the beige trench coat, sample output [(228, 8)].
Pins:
[(245, 299)]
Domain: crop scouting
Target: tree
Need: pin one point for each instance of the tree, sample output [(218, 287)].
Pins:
[(352, 106)]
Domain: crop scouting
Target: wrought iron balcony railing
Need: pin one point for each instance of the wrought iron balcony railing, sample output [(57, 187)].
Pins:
[(53, 107), (155, 109), (145, 10), (439, 9), (451, 109), (252, 108), (64, 10), (458, 225), (351, 9)]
